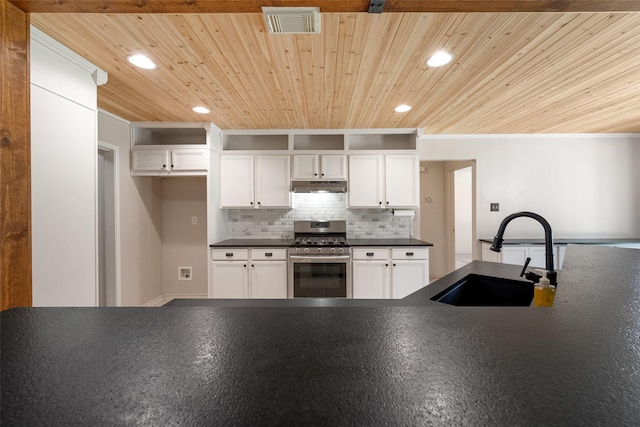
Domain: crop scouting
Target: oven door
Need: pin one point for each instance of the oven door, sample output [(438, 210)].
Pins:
[(320, 276)]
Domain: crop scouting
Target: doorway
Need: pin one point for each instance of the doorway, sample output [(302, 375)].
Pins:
[(447, 213), (108, 292)]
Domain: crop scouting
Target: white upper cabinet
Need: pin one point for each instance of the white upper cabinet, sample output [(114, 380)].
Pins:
[(320, 167), (366, 178), (236, 181), (272, 181), (386, 181), (402, 180), (333, 167), (165, 149), (261, 181)]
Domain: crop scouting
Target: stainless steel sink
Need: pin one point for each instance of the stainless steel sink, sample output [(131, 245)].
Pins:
[(476, 290)]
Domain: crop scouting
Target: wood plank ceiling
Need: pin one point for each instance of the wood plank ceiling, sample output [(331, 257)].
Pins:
[(568, 72)]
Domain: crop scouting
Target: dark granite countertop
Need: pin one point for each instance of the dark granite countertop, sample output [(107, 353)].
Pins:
[(568, 241), (253, 243), (274, 243), (388, 242), (406, 362)]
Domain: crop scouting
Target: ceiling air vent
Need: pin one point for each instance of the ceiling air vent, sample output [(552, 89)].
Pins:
[(292, 20)]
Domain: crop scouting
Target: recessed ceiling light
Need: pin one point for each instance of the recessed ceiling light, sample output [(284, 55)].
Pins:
[(403, 108), (142, 62), (201, 110), (439, 59)]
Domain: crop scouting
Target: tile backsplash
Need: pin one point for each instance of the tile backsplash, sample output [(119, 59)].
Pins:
[(278, 223)]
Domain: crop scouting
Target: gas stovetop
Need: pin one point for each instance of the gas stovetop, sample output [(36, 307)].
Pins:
[(320, 241), (320, 238)]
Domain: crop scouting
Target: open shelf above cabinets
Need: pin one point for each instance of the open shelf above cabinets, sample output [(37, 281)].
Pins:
[(320, 140)]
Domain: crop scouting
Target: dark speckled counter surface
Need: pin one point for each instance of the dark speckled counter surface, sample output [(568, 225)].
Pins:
[(253, 243), (274, 243), (388, 242), (407, 362)]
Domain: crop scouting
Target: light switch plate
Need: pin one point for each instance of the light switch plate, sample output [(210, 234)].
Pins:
[(495, 207)]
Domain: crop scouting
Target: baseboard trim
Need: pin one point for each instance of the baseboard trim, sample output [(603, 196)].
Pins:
[(156, 302), (165, 298)]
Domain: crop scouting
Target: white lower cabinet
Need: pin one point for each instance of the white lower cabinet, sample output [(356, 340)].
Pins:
[(518, 254), (389, 272), (268, 279), (371, 274), (410, 270), (248, 273)]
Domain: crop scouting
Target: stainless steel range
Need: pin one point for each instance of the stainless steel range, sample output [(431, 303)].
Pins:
[(320, 260)]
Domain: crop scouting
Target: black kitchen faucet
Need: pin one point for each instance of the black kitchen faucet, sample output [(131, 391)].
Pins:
[(548, 243)]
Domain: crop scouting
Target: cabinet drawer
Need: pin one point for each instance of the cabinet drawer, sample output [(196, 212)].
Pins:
[(410, 253), (268, 254), (231, 254), (370, 253)]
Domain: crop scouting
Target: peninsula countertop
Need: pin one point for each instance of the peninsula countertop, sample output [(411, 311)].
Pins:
[(406, 362)]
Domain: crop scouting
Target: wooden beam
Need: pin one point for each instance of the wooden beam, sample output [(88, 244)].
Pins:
[(329, 6), (15, 159)]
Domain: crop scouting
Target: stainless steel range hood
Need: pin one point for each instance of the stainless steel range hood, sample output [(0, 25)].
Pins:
[(319, 186)]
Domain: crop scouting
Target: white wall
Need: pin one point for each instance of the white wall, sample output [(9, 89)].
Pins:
[(63, 181), (584, 185)]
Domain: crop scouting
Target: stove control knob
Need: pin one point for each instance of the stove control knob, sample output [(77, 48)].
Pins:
[(297, 250), (341, 250), (319, 250), (306, 250), (332, 250)]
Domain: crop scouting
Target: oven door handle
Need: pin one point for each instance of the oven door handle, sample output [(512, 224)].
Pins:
[(319, 257)]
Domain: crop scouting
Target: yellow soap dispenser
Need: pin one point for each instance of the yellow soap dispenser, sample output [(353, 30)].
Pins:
[(543, 292)]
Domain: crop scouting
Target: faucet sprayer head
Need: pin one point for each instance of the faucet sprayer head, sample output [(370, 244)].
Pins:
[(497, 244)]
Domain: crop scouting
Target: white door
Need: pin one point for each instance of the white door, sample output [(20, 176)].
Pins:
[(371, 279), (273, 181), (108, 283), (305, 166), (333, 167), (463, 216), (229, 279), (366, 180), (402, 174), (269, 279), (408, 277), (236, 181)]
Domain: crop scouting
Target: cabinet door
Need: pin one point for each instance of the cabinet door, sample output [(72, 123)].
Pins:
[(371, 279), (402, 178), (273, 181), (366, 180), (514, 254), (539, 257), (305, 166), (150, 161), (333, 167), (269, 279), (408, 277), (236, 181), (190, 160), (229, 279)]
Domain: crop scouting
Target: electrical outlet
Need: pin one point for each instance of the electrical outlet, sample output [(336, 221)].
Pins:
[(194, 220), (495, 207)]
